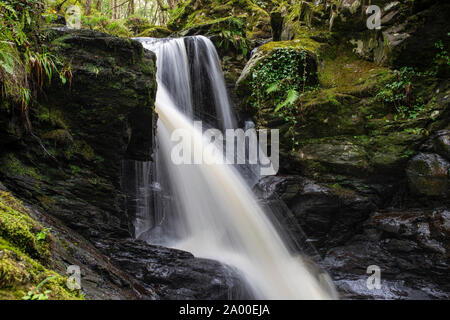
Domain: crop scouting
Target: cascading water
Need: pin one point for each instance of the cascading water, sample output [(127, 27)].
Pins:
[(209, 209)]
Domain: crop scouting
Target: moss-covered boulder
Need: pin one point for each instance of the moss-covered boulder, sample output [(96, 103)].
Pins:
[(274, 64), (428, 175)]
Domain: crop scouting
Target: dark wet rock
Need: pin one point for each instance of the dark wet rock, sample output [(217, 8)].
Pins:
[(428, 174), (108, 74), (411, 249), (407, 35), (328, 214), (175, 274)]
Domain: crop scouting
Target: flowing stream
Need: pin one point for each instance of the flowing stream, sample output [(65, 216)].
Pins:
[(210, 209)]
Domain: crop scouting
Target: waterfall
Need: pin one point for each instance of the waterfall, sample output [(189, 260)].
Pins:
[(210, 209)]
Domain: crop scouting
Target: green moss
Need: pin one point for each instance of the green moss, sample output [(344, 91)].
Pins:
[(155, 32), (19, 274), (301, 44), (20, 229), (24, 256), (13, 166), (53, 118), (59, 136), (347, 73)]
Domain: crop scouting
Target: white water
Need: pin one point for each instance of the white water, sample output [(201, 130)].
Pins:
[(219, 216)]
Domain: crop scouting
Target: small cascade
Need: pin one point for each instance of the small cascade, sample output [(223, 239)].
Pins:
[(210, 209)]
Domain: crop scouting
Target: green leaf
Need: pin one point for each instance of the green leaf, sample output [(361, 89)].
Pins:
[(292, 96), (272, 88)]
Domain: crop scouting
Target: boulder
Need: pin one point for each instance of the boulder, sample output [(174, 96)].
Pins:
[(176, 274), (428, 175), (442, 143)]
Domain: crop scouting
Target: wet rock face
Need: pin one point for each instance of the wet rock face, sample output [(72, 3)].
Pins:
[(411, 249), (428, 175), (351, 233), (175, 274), (328, 214)]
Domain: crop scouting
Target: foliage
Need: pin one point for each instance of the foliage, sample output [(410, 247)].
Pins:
[(24, 66), (36, 294), (232, 36), (102, 23), (20, 230), (400, 92), (281, 81)]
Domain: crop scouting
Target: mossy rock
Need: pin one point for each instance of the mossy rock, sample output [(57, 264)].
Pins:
[(25, 255), (12, 166), (21, 276), (234, 24), (137, 24), (335, 155), (18, 228)]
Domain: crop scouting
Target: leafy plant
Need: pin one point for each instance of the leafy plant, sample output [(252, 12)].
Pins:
[(400, 93), (232, 35), (36, 294), (282, 81), (24, 66), (42, 235)]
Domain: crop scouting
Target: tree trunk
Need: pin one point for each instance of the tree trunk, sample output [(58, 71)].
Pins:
[(87, 9)]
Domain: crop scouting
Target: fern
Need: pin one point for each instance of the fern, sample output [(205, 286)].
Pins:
[(292, 96)]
